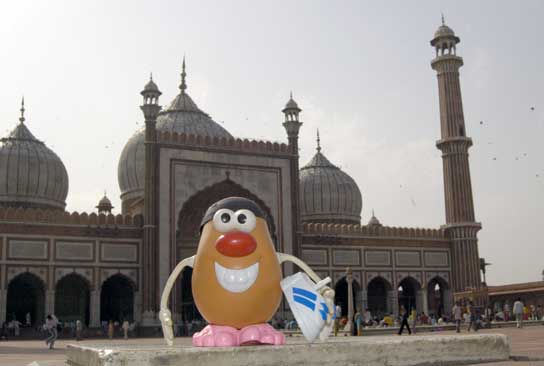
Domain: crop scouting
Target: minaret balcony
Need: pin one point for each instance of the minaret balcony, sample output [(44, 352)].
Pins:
[(451, 144)]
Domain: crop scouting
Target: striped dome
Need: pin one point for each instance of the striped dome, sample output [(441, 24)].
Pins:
[(31, 174), (327, 194)]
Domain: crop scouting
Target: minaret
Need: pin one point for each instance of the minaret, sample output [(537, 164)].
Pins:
[(292, 126), (454, 144), (104, 205), (150, 287)]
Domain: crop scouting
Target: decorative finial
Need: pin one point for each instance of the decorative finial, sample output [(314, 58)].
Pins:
[(22, 118), (150, 76), (443, 22), (291, 95), (183, 85), (373, 213), (104, 193), (318, 142)]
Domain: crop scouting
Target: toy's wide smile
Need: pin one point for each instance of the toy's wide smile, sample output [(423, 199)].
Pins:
[(236, 280)]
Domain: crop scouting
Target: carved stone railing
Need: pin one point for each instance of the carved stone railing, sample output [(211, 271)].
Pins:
[(238, 144), (37, 215), (369, 230)]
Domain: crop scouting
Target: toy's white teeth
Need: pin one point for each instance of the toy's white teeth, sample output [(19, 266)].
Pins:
[(236, 280)]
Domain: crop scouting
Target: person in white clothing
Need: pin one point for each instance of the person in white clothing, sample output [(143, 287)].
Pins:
[(518, 312), (51, 326), (125, 327), (457, 316)]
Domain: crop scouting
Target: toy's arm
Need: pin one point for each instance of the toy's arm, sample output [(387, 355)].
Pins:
[(164, 314), (282, 257), (326, 292)]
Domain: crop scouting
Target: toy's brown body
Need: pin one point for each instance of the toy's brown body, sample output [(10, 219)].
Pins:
[(236, 279), (255, 305)]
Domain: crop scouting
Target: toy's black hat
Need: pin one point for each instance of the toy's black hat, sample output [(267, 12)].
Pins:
[(233, 204)]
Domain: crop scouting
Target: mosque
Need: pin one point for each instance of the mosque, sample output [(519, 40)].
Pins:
[(100, 266)]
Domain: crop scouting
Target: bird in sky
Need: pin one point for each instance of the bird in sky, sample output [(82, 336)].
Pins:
[(532, 108)]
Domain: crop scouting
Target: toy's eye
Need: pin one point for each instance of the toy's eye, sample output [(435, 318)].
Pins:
[(245, 220), (224, 220)]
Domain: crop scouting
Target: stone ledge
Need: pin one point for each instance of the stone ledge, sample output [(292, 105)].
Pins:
[(375, 351)]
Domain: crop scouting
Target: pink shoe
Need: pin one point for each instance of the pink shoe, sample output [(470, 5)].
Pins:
[(260, 334), (216, 336)]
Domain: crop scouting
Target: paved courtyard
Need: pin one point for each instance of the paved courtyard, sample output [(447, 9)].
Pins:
[(525, 343)]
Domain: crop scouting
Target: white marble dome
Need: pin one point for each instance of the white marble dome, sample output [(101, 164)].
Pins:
[(327, 194), (31, 174), (181, 116)]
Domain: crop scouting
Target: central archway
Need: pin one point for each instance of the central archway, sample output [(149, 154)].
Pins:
[(72, 296), (117, 299), (407, 292), (26, 295), (377, 293), (192, 212), (188, 234)]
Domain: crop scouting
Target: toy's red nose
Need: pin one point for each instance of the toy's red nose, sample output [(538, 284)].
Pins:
[(236, 244)]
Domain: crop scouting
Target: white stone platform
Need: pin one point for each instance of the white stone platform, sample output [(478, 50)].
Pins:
[(368, 351)]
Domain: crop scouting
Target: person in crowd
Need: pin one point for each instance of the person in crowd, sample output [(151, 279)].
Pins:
[(338, 315), (110, 329), (358, 322), (471, 317), (125, 327), (16, 325), (478, 321), (387, 321), (518, 312), (404, 322), (4, 331), (367, 318), (532, 310), (488, 314), (51, 323), (79, 329), (539, 314), (104, 324), (457, 316), (412, 318), (506, 311), (424, 319), (28, 320), (525, 312)]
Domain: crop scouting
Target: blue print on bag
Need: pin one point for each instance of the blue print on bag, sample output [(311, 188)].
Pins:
[(308, 299), (304, 297)]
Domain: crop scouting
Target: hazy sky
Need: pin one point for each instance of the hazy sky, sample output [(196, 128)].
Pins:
[(359, 70)]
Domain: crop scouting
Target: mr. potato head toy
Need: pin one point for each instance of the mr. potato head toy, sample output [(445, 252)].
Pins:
[(237, 282)]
